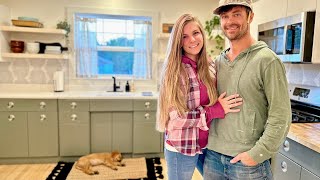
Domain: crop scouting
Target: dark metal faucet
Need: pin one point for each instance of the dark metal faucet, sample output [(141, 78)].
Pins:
[(115, 87)]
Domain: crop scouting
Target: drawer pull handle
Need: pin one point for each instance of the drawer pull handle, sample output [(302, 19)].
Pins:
[(10, 105), (286, 145), (42, 105), (147, 105), (11, 117), (284, 166), (43, 117), (74, 117), (73, 105), (147, 116)]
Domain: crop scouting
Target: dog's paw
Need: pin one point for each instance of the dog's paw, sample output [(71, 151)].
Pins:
[(123, 164), (96, 172), (115, 168)]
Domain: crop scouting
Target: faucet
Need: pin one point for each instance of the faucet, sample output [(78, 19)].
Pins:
[(115, 87)]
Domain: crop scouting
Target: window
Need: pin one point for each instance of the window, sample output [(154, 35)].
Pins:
[(108, 45)]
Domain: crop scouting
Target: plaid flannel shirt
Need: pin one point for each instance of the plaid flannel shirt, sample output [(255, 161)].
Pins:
[(183, 132)]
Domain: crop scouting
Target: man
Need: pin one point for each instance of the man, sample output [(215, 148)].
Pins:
[(241, 145)]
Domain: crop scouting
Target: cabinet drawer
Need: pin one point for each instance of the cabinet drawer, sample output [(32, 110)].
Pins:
[(111, 105), (144, 116), (28, 105), (285, 169), (302, 155), (307, 175), (145, 105), (72, 105)]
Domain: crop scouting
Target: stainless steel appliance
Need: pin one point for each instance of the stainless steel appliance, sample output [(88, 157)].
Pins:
[(305, 103), (291, 38)]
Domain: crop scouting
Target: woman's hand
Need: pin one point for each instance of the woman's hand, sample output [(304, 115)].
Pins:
[(230, 102)]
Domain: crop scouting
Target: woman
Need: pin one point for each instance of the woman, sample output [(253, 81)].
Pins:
[(188, 99)]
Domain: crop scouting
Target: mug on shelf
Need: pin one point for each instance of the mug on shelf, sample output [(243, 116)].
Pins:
[(17, 46), (33, 48)]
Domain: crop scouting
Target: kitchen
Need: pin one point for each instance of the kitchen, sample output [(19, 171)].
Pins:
[(91, 93)]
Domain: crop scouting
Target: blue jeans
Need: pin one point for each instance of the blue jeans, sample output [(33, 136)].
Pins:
[(218, 167), (181, 167)]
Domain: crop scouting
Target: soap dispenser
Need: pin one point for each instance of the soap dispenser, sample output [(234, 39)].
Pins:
[(127, 87)]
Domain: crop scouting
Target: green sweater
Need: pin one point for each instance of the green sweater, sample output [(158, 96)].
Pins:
[(258, 75)]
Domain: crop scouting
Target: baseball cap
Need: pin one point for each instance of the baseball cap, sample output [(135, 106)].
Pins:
[(223, 3)]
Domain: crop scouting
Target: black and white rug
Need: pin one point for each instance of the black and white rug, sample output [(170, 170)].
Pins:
[(154, 170)]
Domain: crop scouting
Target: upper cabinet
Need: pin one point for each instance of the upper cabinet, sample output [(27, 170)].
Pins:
[(316, 37), (298, 6)]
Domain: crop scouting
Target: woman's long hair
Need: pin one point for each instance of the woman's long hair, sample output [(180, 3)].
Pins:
[(174, 83)]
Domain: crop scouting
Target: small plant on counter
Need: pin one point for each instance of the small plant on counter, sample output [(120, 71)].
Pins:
[(64, 25)]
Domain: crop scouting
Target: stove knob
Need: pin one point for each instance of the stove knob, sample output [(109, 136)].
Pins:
[(295, 118)]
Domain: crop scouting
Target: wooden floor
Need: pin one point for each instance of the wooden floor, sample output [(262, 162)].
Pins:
[(41, 171)]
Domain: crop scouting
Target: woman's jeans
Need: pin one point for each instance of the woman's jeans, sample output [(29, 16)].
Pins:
[(181, 167), (218, 167)]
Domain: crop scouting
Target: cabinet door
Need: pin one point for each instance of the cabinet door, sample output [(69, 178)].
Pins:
[(101, 132), (43, 133), (122, 131), (74, 132), (13, 134), (146, 139), (285, 169), (298, 6), (307, 175), (111, 131)]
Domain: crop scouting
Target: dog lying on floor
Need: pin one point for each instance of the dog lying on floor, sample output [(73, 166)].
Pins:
[(111, 160)]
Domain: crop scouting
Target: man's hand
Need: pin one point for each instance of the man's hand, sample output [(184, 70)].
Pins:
[(244, 158)]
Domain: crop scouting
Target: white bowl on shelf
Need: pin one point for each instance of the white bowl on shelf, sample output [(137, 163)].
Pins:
[(33, 48)]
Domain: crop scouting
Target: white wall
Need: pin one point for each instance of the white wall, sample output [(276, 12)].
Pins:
[(50, 12)]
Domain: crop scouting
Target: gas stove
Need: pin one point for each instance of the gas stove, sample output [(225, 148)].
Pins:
[(305, 103)]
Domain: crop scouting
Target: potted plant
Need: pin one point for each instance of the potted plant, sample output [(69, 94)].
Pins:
[(64, 25), (212, 27)]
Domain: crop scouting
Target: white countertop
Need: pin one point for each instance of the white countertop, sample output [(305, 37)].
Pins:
[(77, 95)]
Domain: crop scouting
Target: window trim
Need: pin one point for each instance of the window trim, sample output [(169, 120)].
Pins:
[(71, 10), (115, 48)]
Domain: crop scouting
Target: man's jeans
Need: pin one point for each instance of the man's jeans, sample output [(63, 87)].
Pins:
[(181, 167), (218, 167)]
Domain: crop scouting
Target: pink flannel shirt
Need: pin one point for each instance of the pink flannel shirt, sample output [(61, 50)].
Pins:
[(189, 134)]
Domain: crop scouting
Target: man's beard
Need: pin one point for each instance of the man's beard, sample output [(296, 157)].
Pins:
[(237, 36)]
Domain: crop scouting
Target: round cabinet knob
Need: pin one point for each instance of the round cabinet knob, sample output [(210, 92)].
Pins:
[(286, 146), (147, 116), (10, 105), (73, 117), (284, 166), (43, 117), (42, 105), (147, 105), (11, 117), (73, 105)]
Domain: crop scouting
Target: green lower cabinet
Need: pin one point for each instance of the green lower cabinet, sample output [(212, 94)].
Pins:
[(13, 134), (146, 139), (111, 131), (101, 132), (43, 134), (74, 133)]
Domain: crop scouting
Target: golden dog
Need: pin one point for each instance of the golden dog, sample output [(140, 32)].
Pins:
[(112, 160)]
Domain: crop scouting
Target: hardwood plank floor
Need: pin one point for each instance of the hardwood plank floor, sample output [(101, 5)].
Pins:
[(41, 171)]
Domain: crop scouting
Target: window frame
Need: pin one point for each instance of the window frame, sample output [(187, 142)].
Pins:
[(71, 11)]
